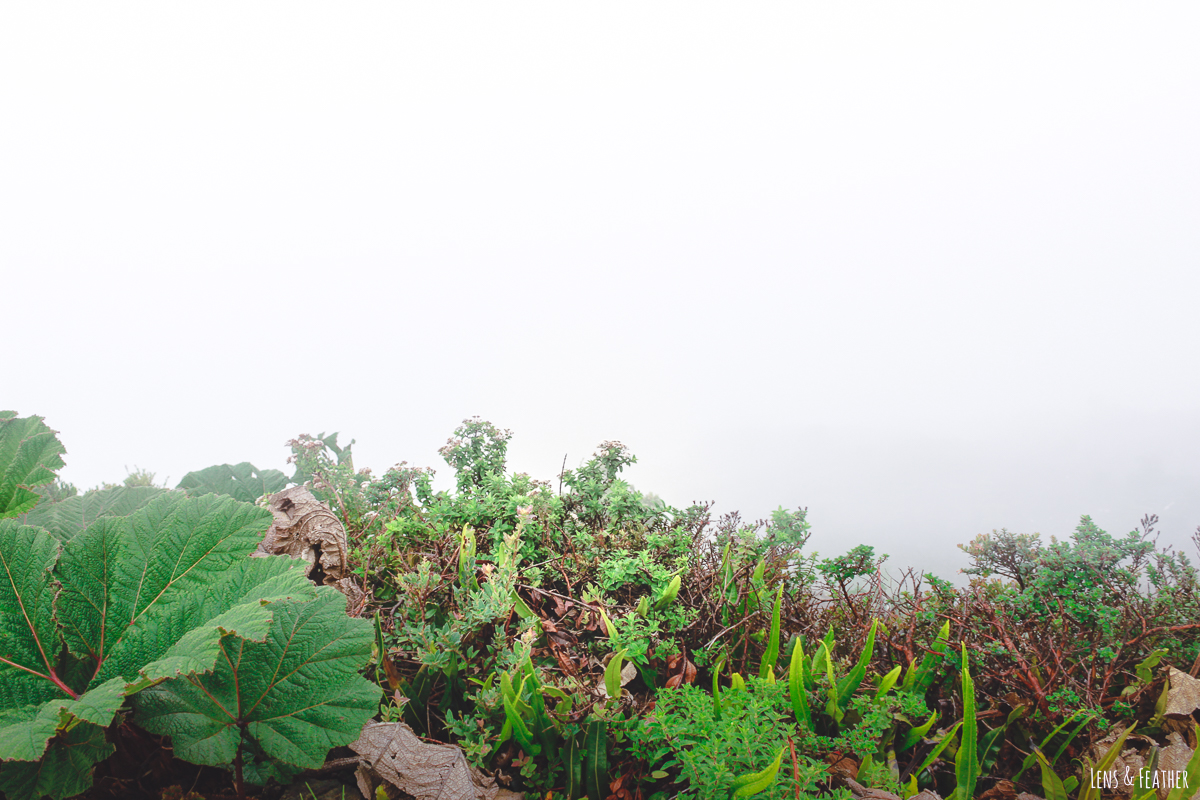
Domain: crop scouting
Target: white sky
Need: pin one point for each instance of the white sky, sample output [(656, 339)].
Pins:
[(928, 269)]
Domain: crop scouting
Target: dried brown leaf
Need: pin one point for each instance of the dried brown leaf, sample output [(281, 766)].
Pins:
[(1002, 790), (392, 753), (306, 528), (1183, 698)]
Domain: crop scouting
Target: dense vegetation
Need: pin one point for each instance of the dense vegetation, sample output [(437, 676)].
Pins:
[(577, 637)]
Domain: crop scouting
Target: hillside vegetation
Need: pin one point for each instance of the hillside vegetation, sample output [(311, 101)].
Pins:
[(572, 638)]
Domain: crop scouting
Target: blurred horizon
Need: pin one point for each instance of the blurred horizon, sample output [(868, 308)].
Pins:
[(927, 271)]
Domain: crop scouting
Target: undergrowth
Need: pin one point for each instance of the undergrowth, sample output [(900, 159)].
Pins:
[(580, 637)]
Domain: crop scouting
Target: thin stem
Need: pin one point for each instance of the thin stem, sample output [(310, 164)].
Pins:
[(238, 784)]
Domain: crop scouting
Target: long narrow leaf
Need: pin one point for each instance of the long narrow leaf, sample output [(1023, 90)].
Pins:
[(915, 735), (966, 762), (1088, 716), (825, 651), (887, 682), (831, 702), (936, 752), (796, 687), (595, 760), (1106, 762), (1052, 785), (716, 689), (573, 753), (849, 684), (772, 654), (546, 732), (609, 628), (669, 594), (1031, 759), (519, 729), (920, 679), (755, 782), (612, 674)]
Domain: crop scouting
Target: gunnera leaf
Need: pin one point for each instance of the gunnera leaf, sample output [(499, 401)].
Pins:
[(67, 518), (65, 771), (285, 702), (126, 603), (242, 481), (30, 452), (29, 641)]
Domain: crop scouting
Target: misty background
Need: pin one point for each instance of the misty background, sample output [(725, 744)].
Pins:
[(927, 271)]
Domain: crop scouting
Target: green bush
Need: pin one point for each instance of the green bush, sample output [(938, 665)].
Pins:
[(693, 753)]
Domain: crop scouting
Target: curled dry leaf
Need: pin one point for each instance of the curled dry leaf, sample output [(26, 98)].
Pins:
[(306, 528), (1002, 790), (686, 670), (392, 753), (1183, 698), (841, 766)]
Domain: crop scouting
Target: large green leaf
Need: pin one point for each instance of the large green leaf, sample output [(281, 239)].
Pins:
[(121, 578), (30, 453), (242, 481), (27, 729), (69, 517), (29, 641), (288, 699), (135, 600), (64, 771)]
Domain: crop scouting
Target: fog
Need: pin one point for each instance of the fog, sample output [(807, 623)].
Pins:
[(927, 272)]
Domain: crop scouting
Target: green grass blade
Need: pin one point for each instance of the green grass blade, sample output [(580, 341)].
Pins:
[(1088, 716), (1031, 759)]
